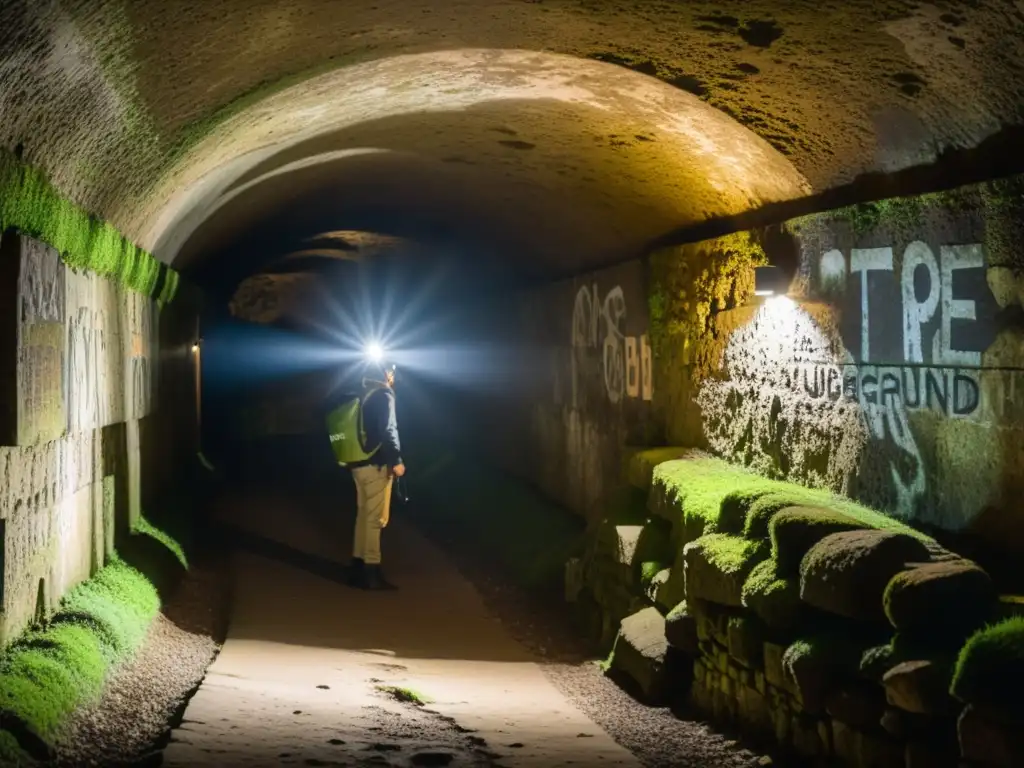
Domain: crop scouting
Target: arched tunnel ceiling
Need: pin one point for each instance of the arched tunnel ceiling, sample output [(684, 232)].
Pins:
[(358, 114), (562, 157)]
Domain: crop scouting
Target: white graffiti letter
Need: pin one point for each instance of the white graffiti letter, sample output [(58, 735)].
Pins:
[(956, 257), (582, 322), (632, 368), (646, 369), (832, 272), (863, 260), (614, 361), (917, 313), (901, 434)]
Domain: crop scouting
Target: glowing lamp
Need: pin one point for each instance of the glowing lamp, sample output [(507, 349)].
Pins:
[(770, 281)]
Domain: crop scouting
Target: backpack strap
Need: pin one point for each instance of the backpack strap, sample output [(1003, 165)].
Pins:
[(369, 392)]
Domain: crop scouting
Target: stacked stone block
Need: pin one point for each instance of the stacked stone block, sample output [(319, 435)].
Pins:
[(848, 660), (77, 373)]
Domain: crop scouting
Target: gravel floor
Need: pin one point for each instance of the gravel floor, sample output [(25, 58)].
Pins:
[(130, 723), (655, 735)]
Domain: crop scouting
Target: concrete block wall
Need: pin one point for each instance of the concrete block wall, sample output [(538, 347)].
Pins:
[(78, 358)]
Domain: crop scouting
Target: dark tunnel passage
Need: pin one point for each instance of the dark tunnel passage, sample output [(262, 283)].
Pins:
[(707, 321)]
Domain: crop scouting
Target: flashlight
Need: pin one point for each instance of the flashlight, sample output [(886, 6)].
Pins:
[(374, 352)]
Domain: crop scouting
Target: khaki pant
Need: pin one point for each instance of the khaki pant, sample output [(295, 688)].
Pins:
[(373, 500)]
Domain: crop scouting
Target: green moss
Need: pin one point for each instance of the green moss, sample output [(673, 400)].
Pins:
[(713, 495), (404, 695), (731, 554), (146, 528), (901, 214), (30, 204), (773, 598), (696, 487), (170, 286), (875, 661), (764, 508), (655, 543), (794, 531), (948, 600), (737, 503), (690, 282), (657, 314), (51, 671), (640, 464), (758, 523), (650, 569), (119, 602), (11, 753), (835, 653), (1000, 201), (1003, 205), (990, 668), (47, 674)]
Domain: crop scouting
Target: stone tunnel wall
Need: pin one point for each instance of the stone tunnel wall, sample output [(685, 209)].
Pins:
[(83, 446), (579, 355), (894, 374)]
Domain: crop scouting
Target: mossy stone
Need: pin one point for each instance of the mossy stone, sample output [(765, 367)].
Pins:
[(31, 205), (639, 652), (48, 673), (953, 597), (772, 598), (990, 668), (681, 629), (717, 565), (846, 573), (641, 462), (794, 530)]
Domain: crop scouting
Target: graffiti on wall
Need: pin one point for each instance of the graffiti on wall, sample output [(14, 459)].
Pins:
[(917, 328), (754, 412), (140, 326), (935, 312), (87, 375), (39, 405), (625, 361), (911, 333)]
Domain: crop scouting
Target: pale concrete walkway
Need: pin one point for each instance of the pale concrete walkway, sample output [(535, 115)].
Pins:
[(300, 678)]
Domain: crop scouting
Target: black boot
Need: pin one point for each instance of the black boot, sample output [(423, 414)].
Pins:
[(356, 572), (373, 579)]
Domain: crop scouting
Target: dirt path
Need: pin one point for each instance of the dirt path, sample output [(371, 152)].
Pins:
[(314, 673), (657, 736)]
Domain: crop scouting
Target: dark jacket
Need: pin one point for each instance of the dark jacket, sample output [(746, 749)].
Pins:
[(381, 428)]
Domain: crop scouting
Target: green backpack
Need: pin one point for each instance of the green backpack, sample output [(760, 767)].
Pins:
[(345, 427)]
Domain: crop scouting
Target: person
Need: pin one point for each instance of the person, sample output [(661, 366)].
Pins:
[(374, 478)]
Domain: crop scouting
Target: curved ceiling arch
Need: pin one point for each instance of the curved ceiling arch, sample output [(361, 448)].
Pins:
[(112, 99), (616, 156)]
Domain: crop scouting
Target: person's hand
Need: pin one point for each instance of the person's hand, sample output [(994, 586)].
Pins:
[(398, 470)]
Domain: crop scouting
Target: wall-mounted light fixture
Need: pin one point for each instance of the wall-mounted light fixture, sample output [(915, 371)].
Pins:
[(770, 281), (783, 252), (195, 346)]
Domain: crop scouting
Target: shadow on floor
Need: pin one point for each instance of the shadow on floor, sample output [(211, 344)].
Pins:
[(236, 539)]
